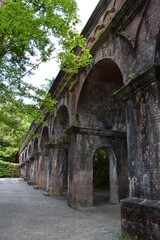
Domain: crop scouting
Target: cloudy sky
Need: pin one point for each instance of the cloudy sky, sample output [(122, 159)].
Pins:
[(50, 69)]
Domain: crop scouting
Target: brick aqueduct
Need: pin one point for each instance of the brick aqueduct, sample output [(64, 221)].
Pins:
[(111, 107)]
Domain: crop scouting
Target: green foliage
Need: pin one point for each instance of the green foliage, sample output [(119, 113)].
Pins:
[(132, 75), (29, 33), (101, 169), (70, 62), (122, 237), (9, 169), (99, 32), (15, 121)]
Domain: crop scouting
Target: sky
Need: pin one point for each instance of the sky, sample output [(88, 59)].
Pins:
[(50, 69)]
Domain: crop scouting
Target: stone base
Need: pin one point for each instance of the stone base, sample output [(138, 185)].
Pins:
[(31, 183), (140, 218), (26, 178), (46, 194), (36, 187), (79, 204)]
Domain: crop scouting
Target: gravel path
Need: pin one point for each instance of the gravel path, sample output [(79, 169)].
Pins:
[(26, 214)]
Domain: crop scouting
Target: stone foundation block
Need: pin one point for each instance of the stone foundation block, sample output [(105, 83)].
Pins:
[(140, 219)]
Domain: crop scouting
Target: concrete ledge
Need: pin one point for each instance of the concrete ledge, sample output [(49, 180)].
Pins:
[(95, 131), (57, 145), (140, 218), (139, 82)]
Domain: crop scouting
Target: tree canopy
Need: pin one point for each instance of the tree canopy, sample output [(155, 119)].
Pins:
[(32, 32)]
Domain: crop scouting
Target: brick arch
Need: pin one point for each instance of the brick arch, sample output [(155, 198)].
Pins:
[(25, 154), (52, 127), (110, 55), (22, 157), (114, 189), (97, 107), (35, 146), (45, 137), (61, 124), (30, 150), (62, 110)]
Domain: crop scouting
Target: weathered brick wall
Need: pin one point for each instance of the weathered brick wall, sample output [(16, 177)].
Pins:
[(33, 170), (81, 167), (58, 173), (140, 218), (143, 133), (42, 171), (143, 141)]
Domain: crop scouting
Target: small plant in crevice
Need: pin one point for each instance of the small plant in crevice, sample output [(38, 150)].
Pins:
[(132, 76), (123, 237), (99, 32)]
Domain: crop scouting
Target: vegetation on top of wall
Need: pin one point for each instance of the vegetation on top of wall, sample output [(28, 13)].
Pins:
[(9, 169)]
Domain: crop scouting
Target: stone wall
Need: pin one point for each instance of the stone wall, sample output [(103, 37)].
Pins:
[(140, 218)]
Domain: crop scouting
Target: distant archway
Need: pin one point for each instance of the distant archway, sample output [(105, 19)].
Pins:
[(105, 180), (25, 154), (30, 151), (61, 139), (35, 147), (23, 157), (45, 138), (61, 124)]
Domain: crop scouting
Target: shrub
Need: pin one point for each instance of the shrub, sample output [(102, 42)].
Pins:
[(8, 169)]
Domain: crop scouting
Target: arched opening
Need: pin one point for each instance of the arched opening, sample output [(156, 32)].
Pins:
[(53, 136), (61, 139), (30, 151), (105, 180), (61, 124), (22, 169), (25, 155), (101, 121), (101, 180), (45, 138), (27, 165), (97, 106), (35, 147)]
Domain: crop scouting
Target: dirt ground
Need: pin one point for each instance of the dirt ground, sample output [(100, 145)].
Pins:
[(26, 214)]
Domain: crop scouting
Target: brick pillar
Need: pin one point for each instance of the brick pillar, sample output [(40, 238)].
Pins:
[(33, 170), (28, 165), (42, 170), (22, 170), (80, 192), (140, 213), (58, 169)]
